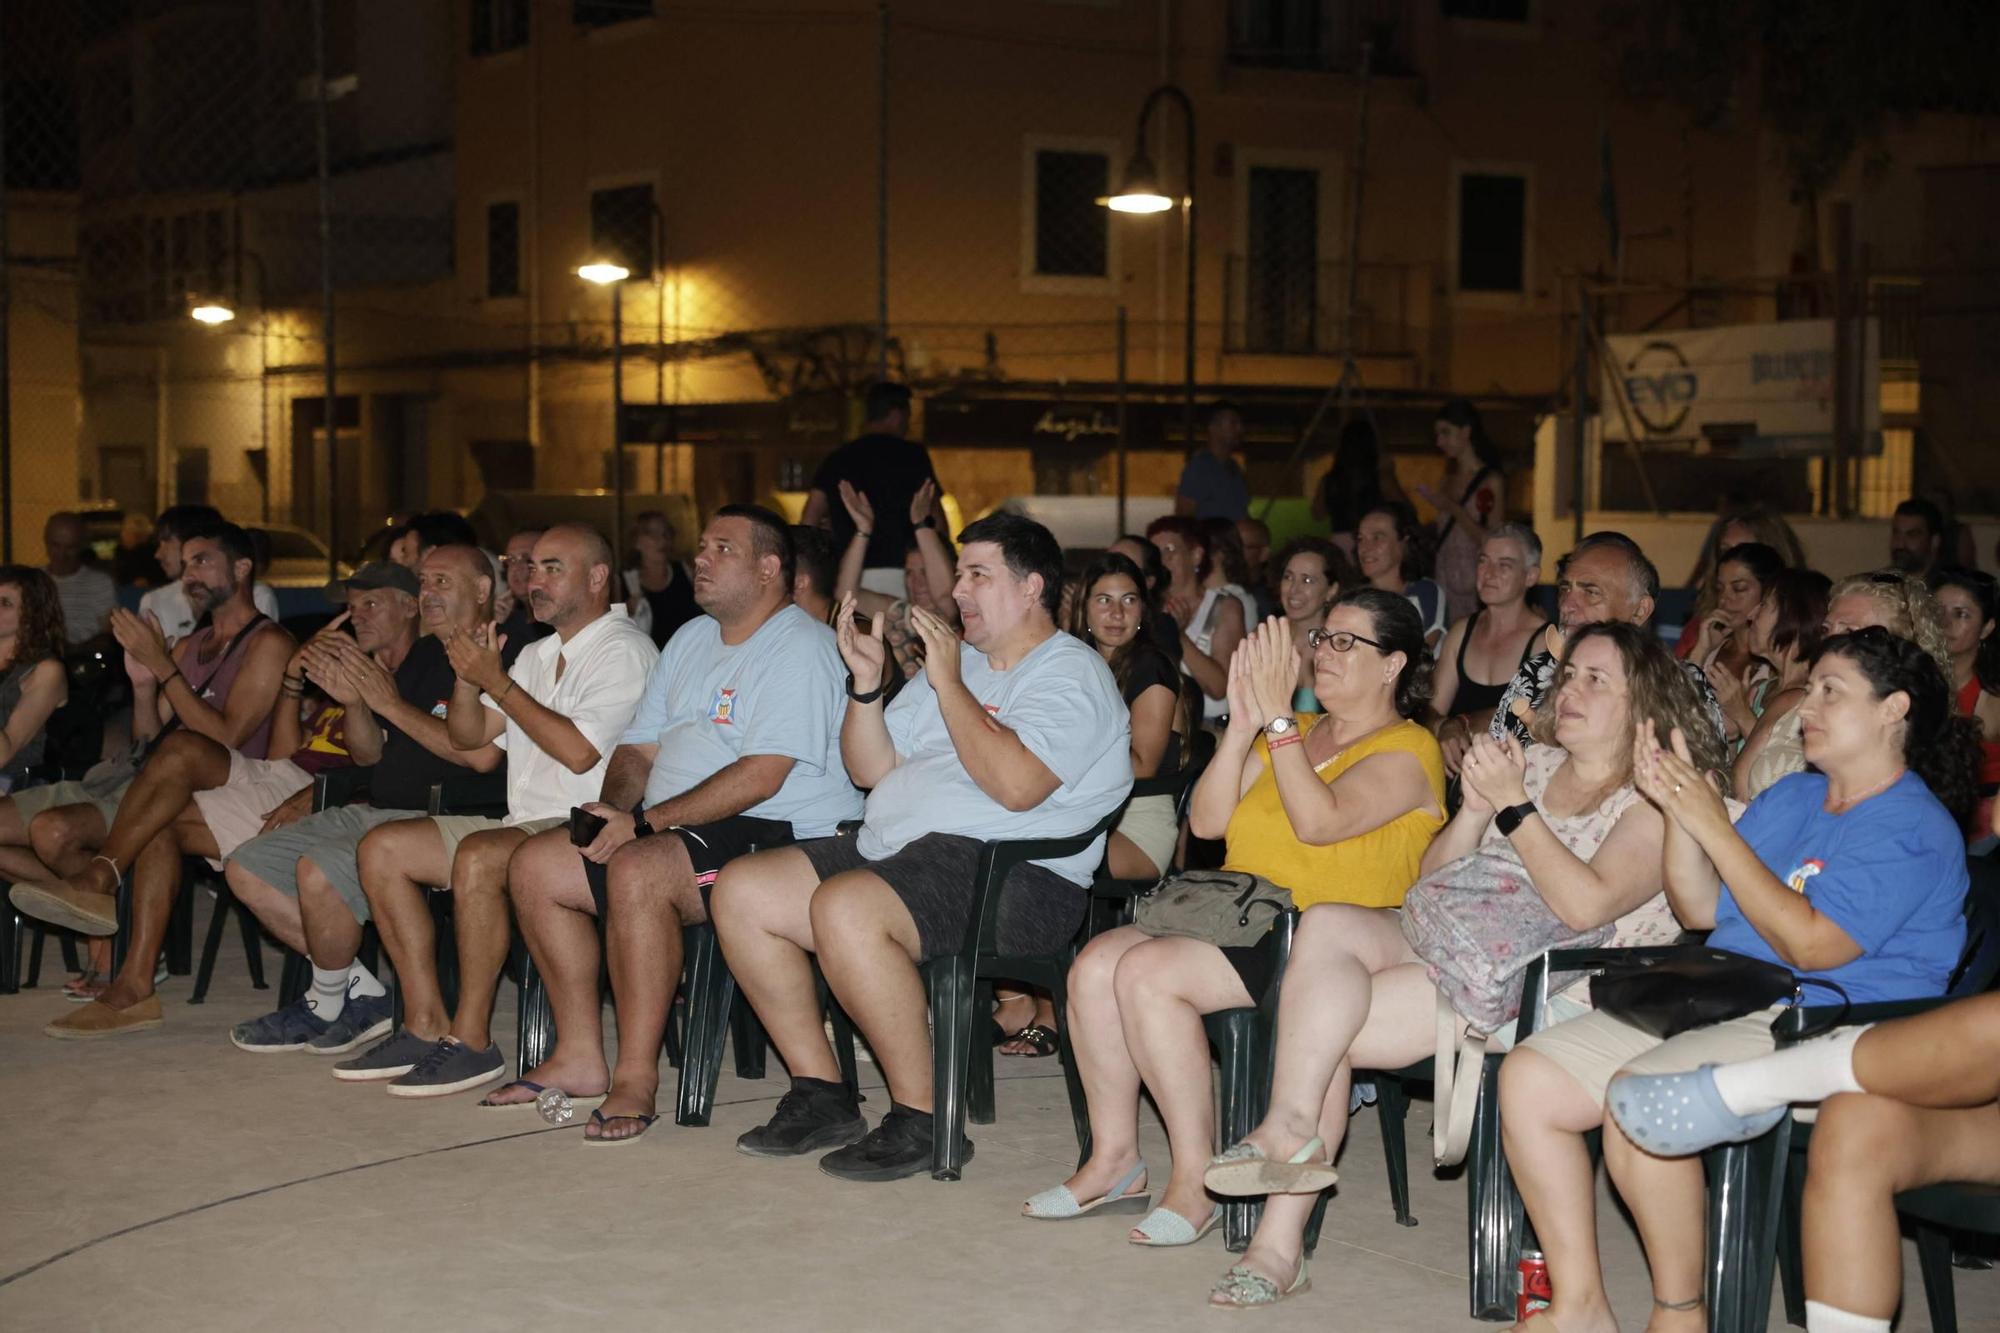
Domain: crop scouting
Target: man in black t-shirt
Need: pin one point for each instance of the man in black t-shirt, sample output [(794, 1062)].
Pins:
[(888, 469), (301, 880)]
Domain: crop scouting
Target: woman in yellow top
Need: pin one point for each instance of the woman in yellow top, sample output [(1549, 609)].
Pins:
[(1336, 807)]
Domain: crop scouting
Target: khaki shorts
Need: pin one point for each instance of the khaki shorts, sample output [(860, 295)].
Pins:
[(1153, 827), (235, 811), (455, 829), (1596, 1048), (104, 795)]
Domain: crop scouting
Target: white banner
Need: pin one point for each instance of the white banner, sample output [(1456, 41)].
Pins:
[(1773, 382)]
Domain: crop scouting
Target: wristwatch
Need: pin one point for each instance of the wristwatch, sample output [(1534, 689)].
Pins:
[(640, 828), (1279, 727), (928, 521), (1510, 819)]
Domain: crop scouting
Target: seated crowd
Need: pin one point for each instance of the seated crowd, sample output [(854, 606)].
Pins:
[(810, 760)]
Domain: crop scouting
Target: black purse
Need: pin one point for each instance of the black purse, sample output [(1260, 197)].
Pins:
[(1698, 987)]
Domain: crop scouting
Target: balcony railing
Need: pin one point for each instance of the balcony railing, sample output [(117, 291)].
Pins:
[(1325, 35), (1286, 308)]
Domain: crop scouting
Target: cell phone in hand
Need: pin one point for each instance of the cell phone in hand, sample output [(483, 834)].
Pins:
[(584, 826)]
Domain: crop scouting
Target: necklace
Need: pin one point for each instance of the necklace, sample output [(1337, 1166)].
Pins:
[(1846, 803)]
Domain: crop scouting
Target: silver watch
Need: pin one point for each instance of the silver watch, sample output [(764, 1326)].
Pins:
[(1280, 726)]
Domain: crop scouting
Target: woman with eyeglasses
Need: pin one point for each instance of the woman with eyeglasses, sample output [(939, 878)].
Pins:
[(1560, 819), (1970, 601), (1336, 807)]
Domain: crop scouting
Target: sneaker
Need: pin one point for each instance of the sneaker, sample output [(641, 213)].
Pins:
[(898, 1147), (814, 1114), (362, 1019), (286, 1029), (392, 1057), (448, 1067)]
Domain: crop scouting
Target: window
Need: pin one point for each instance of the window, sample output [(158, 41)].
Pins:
[(503, 249), (1492, 232), (1281, 277), (191, 474), (1487, 11), (1072, 230), (621, 227), (498, 25), (604, 13), (1278, 34)]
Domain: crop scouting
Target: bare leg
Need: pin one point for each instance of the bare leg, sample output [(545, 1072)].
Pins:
[(868, 948), (1866, 1149), (279, 913), (65, 837), (762, 909), (398, 861), (552, 899), (1104, 1063), (184, 763), (1124, 860), (1544, 1114), (156, 882), (1949, 1057), (652, 894), (17, 860), (485, 928), (1666, 1196), (1164, 986), (332, 931)]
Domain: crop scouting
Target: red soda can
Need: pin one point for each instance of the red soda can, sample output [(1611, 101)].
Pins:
[(1535, 1291)]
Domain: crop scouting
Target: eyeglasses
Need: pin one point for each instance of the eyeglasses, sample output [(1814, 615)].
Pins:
[(1340, 640)]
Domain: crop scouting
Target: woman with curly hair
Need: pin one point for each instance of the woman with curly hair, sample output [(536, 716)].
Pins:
[(1336, 807), (33, 683), (1561, 817), (1852, 873)]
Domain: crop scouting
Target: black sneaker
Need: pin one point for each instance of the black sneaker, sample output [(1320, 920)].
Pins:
[(900, 1146), (448, 1067), (814, 1114)]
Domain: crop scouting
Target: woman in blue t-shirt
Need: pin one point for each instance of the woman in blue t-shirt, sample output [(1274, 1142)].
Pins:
[(1853, 872)]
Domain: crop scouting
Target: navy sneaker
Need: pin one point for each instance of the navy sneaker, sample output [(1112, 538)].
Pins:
[(448, 1067), (391, 1057), (898, 1147), (362, 1019), (286, 1029)]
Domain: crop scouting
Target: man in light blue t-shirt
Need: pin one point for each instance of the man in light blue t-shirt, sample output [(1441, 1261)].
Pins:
[(1018, 732), (736, 745)]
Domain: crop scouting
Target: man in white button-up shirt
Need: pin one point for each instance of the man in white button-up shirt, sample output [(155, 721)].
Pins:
[(557, 714)]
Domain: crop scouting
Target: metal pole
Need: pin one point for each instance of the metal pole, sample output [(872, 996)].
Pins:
[(882, 190), (1579, 398), (1844, 368), (326, 295), (6, 361), (1187, 407), (617, 434), (1353, 292), (1121, 424)]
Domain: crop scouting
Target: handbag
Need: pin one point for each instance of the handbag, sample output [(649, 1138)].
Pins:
[(1222, 907), (1697, 987)]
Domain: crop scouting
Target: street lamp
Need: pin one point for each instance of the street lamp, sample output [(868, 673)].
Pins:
[(211, 313), (1140, 193), (606, 273)]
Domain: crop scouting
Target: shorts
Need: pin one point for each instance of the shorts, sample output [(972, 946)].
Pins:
[(1596, 1048), (329, 840), (104, 794), (888, 581), (1152, 825), (709, 847), (235, 811), (1039, 909), (455, 829)]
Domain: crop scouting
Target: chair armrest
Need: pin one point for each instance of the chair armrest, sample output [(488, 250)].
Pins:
[(340, 786), (1535, 981), (471, 794), (998, 859), (1160, 784), (1798, 1021)]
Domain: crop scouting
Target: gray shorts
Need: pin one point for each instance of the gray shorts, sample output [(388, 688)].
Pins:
[(104, 793), (1039, 909), (327, 839)]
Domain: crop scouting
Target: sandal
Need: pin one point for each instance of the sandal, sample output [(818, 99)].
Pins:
[(534, 1102), (1040, 1041), (603, 1121), (1242, 1171), (1058, 1204), (1165, 1229), (85, 987), (1245, 1288)]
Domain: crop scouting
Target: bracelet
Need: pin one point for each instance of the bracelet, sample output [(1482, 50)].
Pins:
[(873, 694), (502, 696), (1283, 741), (172, 676), (866, 536)]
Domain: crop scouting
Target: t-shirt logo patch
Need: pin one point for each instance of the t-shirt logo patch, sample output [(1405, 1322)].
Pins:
[(723, 705), (992, 710), (441, 708), (1802, 872)]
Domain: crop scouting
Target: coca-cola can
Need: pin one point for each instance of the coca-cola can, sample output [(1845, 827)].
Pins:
[(1535, 1291)]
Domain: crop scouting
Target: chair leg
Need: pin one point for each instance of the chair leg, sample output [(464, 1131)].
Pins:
[(294, 978), (711, 993), (72, 953), (536, 1019), (12, 929), (1934, 1259), (1392, 1111), (673, 1040), (843, 1038), (750, 1041), (180, 934), (1791, 1259), (1317, 1220), (1079, 1106), (1741, 1243), (952, 990), (1495, 1216), (979, 1101), (210, 946), (1236, 1045), (247, 924)]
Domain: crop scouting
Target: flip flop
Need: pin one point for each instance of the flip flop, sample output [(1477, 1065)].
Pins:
[(532, 1103), (1242, 1171), (602, 1121), (1041, 1042)]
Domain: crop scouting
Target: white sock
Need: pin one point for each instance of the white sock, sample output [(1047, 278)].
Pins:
[(360, 982), (1826, 1319), (1809, 1072), (328, 995)]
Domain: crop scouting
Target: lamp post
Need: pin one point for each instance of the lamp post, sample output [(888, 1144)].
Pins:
[(605, 273), (1140, 193), (214, 313)]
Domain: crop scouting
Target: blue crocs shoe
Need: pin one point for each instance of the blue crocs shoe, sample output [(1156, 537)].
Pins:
[(1679, 1115)]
